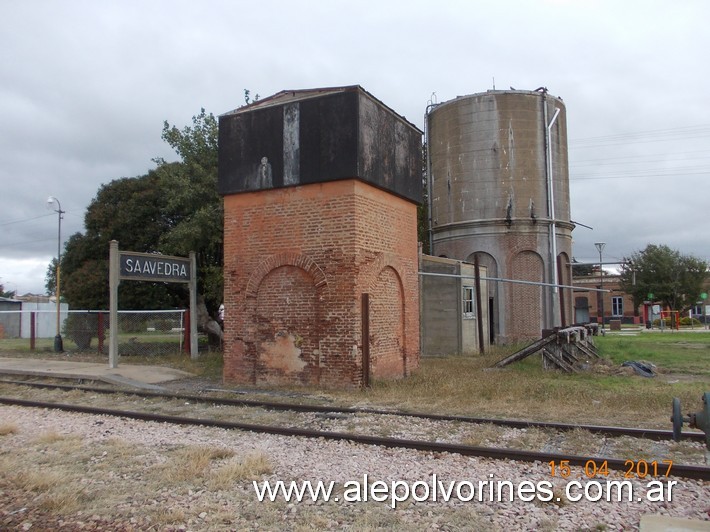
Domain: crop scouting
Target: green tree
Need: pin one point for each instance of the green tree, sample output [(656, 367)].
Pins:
[(9, 295), (50, 278), (194, 209), (674, 279), (128, 210)]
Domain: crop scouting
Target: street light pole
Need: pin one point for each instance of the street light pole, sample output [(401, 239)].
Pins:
[(600, 248), (58, 344)]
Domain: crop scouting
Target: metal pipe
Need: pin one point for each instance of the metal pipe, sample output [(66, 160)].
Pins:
[(429, 178), (551, 194), (514, 281), (552, 228)]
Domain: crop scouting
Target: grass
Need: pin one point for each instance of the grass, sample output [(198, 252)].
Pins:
[(677, 352), (603, 395), (63, 474), (191, 462), (208, 365), (237, 469), (22, 345), (7, 428)]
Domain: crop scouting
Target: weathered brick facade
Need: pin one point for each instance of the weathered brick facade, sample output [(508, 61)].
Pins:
[(297, 261)]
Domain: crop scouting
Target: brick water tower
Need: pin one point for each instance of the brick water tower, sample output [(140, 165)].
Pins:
[(320, 239), (500, 194)]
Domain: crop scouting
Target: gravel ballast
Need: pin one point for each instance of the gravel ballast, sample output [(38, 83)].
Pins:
[(125, 490)]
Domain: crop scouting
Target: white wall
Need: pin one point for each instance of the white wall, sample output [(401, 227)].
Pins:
[(46, 319)]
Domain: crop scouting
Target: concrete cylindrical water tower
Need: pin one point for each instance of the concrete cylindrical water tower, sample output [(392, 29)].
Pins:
[(499, 192)]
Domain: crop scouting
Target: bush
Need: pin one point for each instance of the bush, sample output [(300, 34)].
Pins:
[(81, 329), (164, 324), (687, 322), (667, 322), (684, 322), (132, 323)]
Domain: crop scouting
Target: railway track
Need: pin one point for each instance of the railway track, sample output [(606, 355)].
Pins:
[(678, 470), (644, 433)]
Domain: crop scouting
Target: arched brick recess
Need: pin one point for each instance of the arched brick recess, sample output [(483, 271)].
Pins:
[(494, 294), (381, 261), (285, 259), (526, 303), (387, 341), (488, 261), (287, 322), (521, 244)]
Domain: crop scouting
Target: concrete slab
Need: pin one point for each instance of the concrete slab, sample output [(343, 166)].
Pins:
[(664, 523), (124, 374)]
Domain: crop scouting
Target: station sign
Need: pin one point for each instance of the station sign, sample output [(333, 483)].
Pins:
[(134, 266), (153, 267)]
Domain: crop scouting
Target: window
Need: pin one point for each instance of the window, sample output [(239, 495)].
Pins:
[(617, 306), (468, 305)]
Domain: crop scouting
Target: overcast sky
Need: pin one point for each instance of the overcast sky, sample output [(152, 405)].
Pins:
[(86, 85)]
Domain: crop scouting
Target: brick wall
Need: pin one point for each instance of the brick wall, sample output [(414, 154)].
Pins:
[(520, 311), (296, 263), (525, 301)]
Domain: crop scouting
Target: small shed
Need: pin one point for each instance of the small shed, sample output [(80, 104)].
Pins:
[(10, 318), (451, 321)]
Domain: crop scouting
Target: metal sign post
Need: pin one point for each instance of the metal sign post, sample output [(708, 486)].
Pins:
[(113, 304), (128, 265)]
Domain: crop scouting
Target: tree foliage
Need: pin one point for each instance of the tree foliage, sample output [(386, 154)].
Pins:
[(50, 278), (194, 209), (9, 295), (173, 209), (674, 279), (127, 210)]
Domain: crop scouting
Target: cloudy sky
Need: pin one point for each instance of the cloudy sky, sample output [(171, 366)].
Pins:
[(86, 85)]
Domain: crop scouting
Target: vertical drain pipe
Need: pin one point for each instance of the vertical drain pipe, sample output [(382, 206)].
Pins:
[(551, 203), (429, 178), (551, 192), (365, 318)]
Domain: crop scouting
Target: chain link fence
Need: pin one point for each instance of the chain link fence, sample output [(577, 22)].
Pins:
[(150, 332), (140, 332)]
